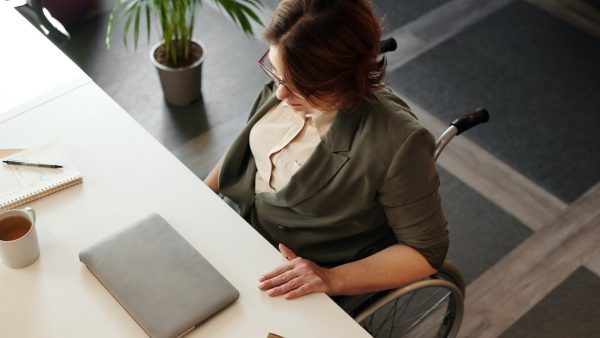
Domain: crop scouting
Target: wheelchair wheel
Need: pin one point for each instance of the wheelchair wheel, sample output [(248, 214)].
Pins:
[(428, 308)]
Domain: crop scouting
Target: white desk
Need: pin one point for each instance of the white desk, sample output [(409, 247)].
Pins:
[(128, 174), (32, 69)]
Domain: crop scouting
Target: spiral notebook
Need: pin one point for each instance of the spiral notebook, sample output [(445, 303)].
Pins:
[(23, 184)]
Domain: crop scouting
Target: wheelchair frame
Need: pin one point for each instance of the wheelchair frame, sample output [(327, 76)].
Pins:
[(449, 276)]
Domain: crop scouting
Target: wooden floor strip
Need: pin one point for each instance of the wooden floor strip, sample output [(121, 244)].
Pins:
[(593, 260), (493, 179), (504, 293)]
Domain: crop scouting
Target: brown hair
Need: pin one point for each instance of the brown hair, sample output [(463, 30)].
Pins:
[(329, 50)]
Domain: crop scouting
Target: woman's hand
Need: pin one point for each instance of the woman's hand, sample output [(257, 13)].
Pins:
[(296, 278)]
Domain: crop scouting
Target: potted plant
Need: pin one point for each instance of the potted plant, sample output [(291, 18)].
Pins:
[(178, 57)]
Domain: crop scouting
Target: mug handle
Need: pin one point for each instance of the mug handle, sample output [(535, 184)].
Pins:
[(31, 212)]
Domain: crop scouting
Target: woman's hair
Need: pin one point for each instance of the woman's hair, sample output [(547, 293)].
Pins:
[(329, 50)]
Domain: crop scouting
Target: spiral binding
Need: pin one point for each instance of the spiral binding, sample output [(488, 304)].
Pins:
[(15, 202)]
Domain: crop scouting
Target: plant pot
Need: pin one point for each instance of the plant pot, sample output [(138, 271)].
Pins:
[(181, 85)]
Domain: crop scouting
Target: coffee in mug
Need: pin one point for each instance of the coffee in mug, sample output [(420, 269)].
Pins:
[(18, 238), (14, 227)]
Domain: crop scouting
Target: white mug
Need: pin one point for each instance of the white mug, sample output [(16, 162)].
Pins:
[(18, 238)]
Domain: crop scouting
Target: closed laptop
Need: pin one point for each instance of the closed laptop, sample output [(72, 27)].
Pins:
[(158, 277)]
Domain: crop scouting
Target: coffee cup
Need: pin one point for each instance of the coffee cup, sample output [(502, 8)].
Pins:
[(18, 239)]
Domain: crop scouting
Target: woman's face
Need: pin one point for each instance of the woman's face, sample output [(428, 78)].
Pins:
[(283, 93)]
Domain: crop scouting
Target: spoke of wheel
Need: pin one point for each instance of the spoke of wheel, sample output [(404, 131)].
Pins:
[(393, 319), (435, 306), (375, 330), (387, 317), (407, 303), (425, 301), (431, 325), (369, 324)]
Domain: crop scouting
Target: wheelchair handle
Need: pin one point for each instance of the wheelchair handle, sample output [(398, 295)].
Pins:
[(468, 121), (388, 45)]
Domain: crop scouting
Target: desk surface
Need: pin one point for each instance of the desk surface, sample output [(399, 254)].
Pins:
[(32, 69), (127, 174)]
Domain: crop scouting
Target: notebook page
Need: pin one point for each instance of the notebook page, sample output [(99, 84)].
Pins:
[(25, 182)]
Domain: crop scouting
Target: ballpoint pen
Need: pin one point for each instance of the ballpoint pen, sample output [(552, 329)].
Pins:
[(41, 165)]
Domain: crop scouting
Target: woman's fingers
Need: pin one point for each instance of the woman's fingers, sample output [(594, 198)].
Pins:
[(286, 252), (276, 281), (297, 278), (303, 290), (285, 288), (278, 271)]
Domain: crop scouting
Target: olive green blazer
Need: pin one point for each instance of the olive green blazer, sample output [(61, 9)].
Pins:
[(370, 183)]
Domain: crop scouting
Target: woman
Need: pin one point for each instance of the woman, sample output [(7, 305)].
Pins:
[(332, 167)]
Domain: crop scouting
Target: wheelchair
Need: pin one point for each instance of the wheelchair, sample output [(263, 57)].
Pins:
[(432, 307)]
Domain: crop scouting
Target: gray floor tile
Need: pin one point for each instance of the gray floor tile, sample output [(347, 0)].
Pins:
[(538, 76), (480, 232), (570, 310), (231, 76)]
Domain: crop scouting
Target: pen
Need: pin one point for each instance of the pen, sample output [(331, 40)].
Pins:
[(42, 165)]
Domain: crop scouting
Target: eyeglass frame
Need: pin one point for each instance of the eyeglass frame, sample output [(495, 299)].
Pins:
[(275, 78), (278, 81)]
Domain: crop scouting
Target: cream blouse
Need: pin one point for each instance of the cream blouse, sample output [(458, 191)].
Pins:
[(281, 142)]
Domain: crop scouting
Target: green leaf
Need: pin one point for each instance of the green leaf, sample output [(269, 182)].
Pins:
[(175, 21), (126, 30), (136, 27), (148, 12)]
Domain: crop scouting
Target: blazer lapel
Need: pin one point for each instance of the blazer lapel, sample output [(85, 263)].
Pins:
[(269, 103), (238, 156), (324, 163)]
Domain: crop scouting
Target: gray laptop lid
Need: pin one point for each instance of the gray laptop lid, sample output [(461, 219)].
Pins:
[(158, 277)]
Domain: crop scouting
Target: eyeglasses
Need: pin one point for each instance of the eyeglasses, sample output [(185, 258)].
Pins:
[(269, 70)]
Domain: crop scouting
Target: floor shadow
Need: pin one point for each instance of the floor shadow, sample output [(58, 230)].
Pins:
[(187, 121)]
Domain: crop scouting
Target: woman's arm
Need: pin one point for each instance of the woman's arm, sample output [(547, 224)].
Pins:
[(212, 179), (392, 267)]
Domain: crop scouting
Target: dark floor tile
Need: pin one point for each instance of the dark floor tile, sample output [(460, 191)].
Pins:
[(397, 13), (201, 154), (539, 78), (480, 233), (595, 3), (231, 76), (570, 310)]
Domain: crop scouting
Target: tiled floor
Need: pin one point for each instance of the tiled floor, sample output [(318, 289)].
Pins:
[(231, 77), (396, 13), (536, 72), (480, 232), (568, 311), (542, 92)]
